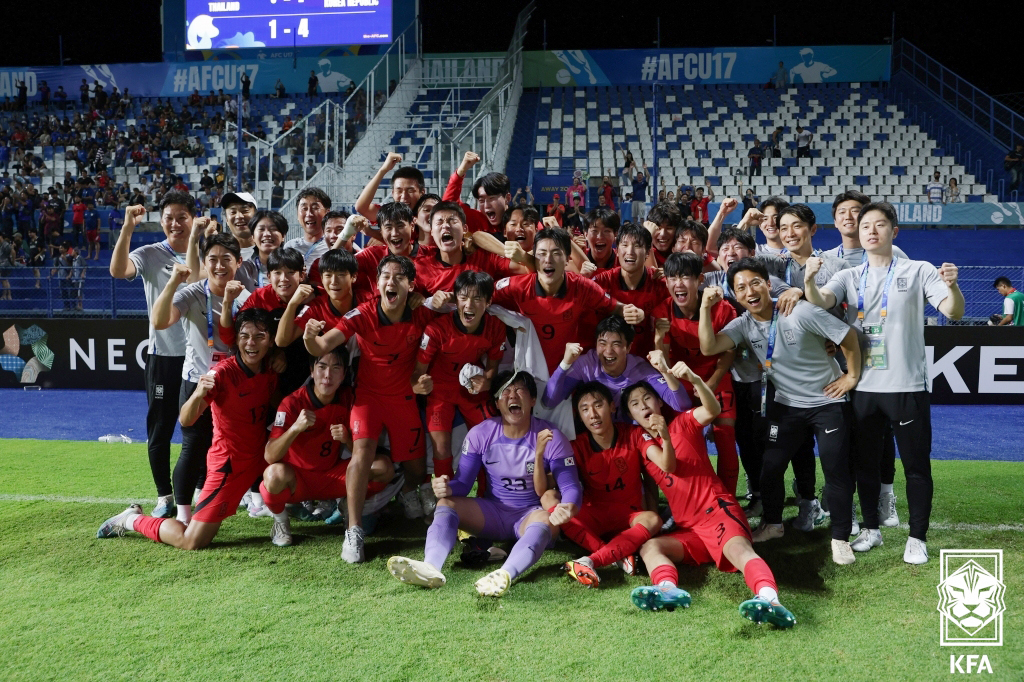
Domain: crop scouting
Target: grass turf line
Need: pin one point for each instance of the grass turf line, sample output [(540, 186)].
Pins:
[(82, 608)]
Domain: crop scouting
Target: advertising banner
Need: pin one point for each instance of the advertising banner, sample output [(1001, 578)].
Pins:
[(975, 365), (982, 213), (752, 65)]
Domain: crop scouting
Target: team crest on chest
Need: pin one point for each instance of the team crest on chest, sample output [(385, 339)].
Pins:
[(567, 316), (902, 284), (529, 467), (620, 464)]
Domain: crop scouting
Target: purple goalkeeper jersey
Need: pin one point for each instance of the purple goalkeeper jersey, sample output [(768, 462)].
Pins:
[(588, 368), (509, 464)]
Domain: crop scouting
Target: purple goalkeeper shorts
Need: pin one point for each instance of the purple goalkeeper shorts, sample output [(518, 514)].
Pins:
[(502, 522)]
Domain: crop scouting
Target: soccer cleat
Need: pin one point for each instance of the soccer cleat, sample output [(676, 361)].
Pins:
[(669, 524), (302, 511), (411, 504), (165, 508), (323, 509), (810, 515), (281, 533), (754, 507), (759, 610), (916, 552), (656, 598), (339, 516), (476, 552), (246, 500), (257, 512), (352, 548), (767, 531), (842, 553), (887, 515), (855, 526), (427, 500), (114, 526), (868, 538), (582, 573), (628, 564), (494, 584), (415, 572)]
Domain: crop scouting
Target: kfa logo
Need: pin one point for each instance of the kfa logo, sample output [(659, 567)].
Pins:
[(901, 284), (773, 433), (971, 598), (529, 467), (971, 663)]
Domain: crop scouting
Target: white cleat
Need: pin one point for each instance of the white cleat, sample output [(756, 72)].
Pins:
[(427, 500), (411, 504), (352, 548), (887, 515), (114, 527), (627, 564), (415, 572), (281, 533), (767, 531), (842, 553), (810, 516), (494, 584), (916, 552), (867, 539)]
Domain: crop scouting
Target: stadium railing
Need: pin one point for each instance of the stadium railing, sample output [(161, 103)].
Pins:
[(981, 298), (98, 294)]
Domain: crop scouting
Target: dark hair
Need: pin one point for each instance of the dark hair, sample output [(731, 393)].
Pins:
[(614, 324), (395, 212), (1002, 280), (410, 173), (338, 260), (698, 230), (608, 218), (282, 257), (228, 241), (178, 198), (778, 203), (474, 279), (591, 388), (341, 352), (683, 265), (406, 265), (664, 212), (850, 195), (637, 233), (336, 215), (508, 377), (628, 391), (751, 264), (742, 236), (259, 317), (316, 193), (279, 221), (802, 211), (494, 184), (530, 214), (556, 234), (884, 207), (447, 207), (422, 199)]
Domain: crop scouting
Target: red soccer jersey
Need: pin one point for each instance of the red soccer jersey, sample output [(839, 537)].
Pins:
[(446, 346), (693, 487), (240, 401), (611, 477), (434, 275), (314, 449), (557, 317), (320, 308), (647, 295), (364, 289), (699, 207), (388, 349), (682, 335), (476, 221)]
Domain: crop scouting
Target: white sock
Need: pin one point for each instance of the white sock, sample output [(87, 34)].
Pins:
[(129, 521), (667, 583), (586, 561), (887, 488), (257, 500), (282, 517), (184, 513), (768, 593)]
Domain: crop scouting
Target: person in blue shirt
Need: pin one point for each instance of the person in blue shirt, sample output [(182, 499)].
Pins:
[(755, 155), (640, 183)]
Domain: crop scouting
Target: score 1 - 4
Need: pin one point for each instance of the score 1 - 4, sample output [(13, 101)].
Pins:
[(302, 31)]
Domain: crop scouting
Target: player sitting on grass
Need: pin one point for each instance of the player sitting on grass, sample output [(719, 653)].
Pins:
[(239, 390), (505, 447), (711, 526), (305, 446), (609, 463)]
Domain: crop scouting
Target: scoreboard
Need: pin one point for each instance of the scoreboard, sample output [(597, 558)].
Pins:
[(284, 23)]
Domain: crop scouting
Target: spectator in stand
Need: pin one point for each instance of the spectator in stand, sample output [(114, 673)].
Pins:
[(60, 98), (608, 191), (295, 172), (935, 191), (699, 205), (639, 183), (36, 253), (1014, 164), (555, 210), (195, 99), (22, 96), (63, 268), (574, 219), (312, 83), (310, 168), (953, 191), (44, 95), (626, 210), (78, 219), (755, 154), (1013, 303), (6, 264), (684, 197), (803, 143), (277, 194), (781, 77), (246, 84), (577, 190), (279, 89), (92, 231), (523, 198), (206, 181)]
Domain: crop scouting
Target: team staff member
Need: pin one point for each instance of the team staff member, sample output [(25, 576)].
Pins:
[(311, 205), (803, 393), (845, 210), (885, 300), (155, 262), (1013, 302), (238, 210)]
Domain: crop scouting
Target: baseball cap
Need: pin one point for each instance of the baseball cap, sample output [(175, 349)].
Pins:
[(237, 198)]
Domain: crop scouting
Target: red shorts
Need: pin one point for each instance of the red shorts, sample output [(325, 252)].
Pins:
[(372, 412), (226, 483), (441, 406), (315, 485), (92, 236), (725, 395), (704, 540), (604, 520)]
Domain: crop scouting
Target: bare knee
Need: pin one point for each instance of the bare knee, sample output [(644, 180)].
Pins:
[(649, 520), (275, 477), (382, 470)]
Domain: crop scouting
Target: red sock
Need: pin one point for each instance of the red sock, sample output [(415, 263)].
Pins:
[(275, 502), (757, 575), (149, 526), (728, 460), (665, 572), (581, 535), (443, 467), (622, 545)]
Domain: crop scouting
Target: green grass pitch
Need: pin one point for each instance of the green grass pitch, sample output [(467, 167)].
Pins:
[(78, 608)]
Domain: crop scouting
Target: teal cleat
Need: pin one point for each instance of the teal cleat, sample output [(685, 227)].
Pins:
[(114, 526), (760, 611), (654, 598)]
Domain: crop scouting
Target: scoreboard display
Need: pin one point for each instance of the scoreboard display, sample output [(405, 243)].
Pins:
[(286, 23)]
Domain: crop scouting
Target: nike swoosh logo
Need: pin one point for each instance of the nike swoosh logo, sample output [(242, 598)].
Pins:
[(494, 462), (905, 423), (832, 431), (380, 344), (242, 395)]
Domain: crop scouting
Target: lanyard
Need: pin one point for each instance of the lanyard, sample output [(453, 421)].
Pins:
[(312, 248), (789, 266), (261, 279), (863, 254), (769, 351), (885, 291), (174, 254), (209, 315)]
